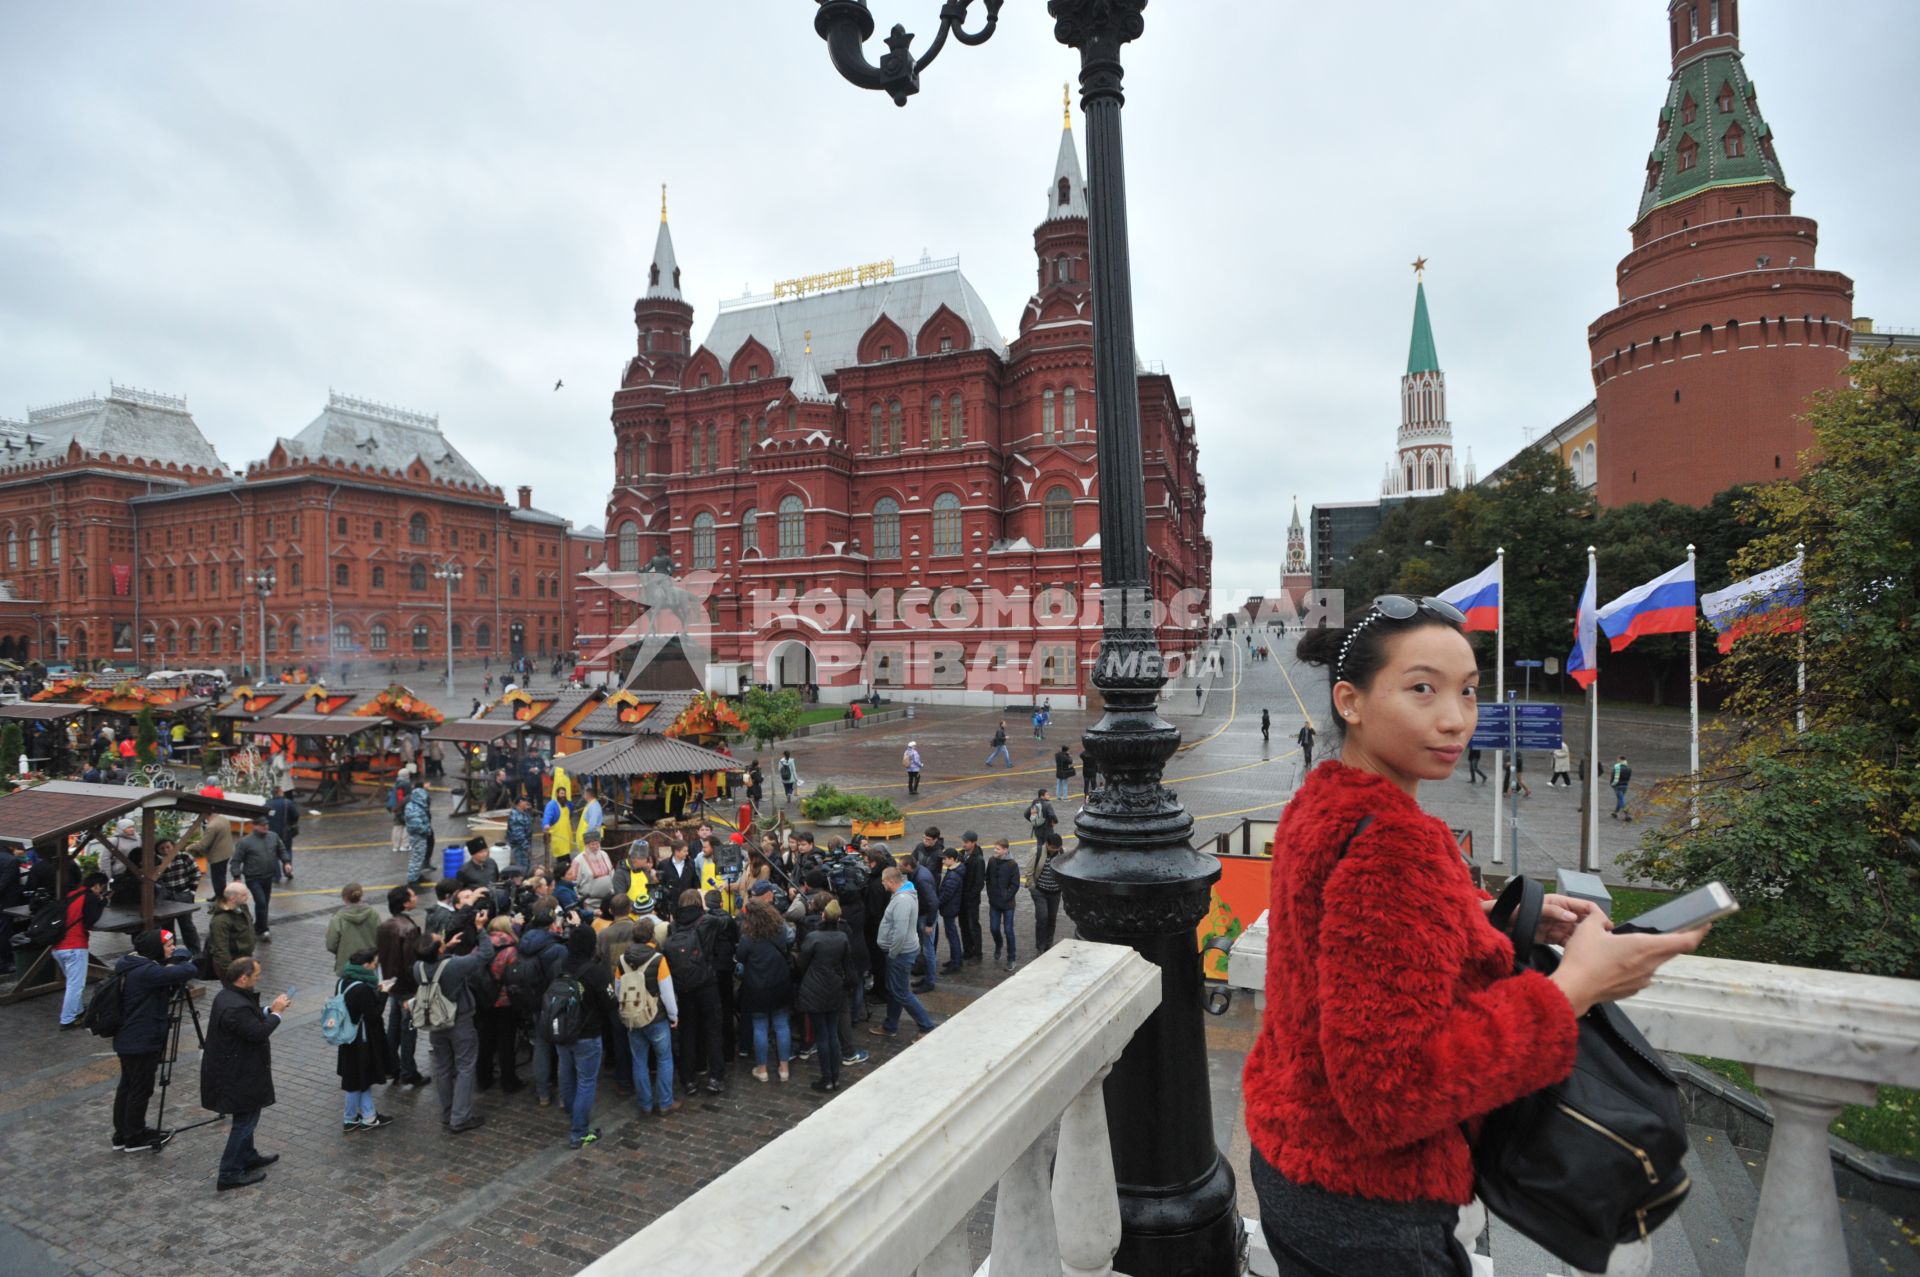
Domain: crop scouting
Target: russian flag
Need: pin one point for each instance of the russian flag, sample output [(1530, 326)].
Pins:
[(1583, 662), (1769, 602), (1664, 605), (1479, 598)]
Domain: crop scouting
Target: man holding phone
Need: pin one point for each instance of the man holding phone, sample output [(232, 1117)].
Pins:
[(236, 1070), (454, 1052)]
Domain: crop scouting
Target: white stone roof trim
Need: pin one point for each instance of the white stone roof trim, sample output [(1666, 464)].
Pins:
[(137, 424), (1067, 166), (380, 437)]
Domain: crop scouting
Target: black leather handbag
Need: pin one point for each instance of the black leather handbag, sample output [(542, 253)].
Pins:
[(1594, 1160)]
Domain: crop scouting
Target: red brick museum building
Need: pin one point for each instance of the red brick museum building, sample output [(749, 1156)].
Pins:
[(125, 540), (870, 435)]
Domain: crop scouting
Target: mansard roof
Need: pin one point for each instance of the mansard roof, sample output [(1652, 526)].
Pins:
[(1701, 80), (839, 318), (381, 437), (136, 424)]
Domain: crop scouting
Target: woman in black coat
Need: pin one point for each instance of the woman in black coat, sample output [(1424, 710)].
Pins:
[(362, 1063), (826, 976), (236, 1069)]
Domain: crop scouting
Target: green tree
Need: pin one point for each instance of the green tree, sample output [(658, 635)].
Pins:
[(1815, 829), (771, 716), (145, 738), (13, 743)]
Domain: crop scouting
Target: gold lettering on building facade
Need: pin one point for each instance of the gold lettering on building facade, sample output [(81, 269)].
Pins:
[(846, 275)]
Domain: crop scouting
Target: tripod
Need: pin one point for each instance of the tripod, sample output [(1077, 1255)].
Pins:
[(182, 997)]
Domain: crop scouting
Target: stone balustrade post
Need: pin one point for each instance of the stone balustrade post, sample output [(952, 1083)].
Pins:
[(1025, 1240), (1086, 1200), (949, 1258), (1797, 1229)]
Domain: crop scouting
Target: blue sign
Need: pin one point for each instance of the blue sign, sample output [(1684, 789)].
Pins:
[(1534, 725), (1529, 665)]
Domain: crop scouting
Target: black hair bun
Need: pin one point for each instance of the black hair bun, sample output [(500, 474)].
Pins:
[(1320, 646)]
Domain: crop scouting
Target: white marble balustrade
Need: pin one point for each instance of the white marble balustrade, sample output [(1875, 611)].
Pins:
[(1815, 1041), (882, 1180)]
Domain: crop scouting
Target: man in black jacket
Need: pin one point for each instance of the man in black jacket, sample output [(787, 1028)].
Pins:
[(678, 873), (236, 1070), (973, 868), (1003, 892), (149, 975)]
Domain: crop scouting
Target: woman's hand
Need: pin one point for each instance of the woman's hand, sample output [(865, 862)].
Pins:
[(1601, 967), (1559, 915)]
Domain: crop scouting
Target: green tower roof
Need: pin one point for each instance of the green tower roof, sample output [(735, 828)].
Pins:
[(1421, 356), (1705, 137)]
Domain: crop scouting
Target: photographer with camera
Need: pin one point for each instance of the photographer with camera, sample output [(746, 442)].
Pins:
[(445, 1007), (149, 977)]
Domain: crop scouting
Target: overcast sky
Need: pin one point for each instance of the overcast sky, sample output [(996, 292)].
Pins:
[(448, 206)]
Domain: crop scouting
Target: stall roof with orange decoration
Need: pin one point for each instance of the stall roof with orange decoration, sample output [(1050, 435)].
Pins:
[(399, 705), (557, 714), (122, 696), (628, 711)]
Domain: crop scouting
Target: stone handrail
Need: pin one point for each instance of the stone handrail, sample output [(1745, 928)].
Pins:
[(1814, 1040), (882, 1181)]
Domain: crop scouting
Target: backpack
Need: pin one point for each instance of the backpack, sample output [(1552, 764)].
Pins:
[(433, 1010), (786, 770), (639, 993), (337, 1024), (108, 1010), (846, 875), (526, 983), (563, 1010), (47, 925), (688, 957)]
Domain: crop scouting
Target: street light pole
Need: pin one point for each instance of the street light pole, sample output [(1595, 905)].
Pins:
[(1135, 877), (448, 573), (262, 581)]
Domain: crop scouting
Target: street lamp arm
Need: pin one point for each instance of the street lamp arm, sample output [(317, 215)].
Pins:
[(846, 25)]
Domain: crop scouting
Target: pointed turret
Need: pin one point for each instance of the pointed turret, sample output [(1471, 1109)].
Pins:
[(663, 277), (807, 385), (1067, 193), (1421, 355), (1710, 134)]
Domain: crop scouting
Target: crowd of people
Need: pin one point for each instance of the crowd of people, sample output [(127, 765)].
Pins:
[(659, 973)]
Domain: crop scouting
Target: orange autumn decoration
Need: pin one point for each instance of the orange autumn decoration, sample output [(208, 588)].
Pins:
[(706, 715), (400, 705)]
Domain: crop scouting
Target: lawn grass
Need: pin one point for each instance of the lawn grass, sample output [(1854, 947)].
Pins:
[(1892, 1126), (822, 714)]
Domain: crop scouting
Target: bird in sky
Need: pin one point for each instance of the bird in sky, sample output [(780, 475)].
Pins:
[(558, 384)]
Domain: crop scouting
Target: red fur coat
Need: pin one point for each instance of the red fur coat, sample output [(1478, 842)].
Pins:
[(1393, 1014)]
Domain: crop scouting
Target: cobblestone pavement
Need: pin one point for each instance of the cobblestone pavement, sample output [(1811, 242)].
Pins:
[(511, 1198)]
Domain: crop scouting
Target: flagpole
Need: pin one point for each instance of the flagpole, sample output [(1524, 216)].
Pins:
[(1593, 730), (1693, 695), (1499, 690), (1800, 704)]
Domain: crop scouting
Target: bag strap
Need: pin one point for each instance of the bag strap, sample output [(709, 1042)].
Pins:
[(1517, 913), (1359, 827)]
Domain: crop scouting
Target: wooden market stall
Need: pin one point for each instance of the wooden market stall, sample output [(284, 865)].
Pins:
[(329, 755), (648, 777), (51, 747), (627, 711), (482, 744), (552, 719), (54, 819), (119, 703)]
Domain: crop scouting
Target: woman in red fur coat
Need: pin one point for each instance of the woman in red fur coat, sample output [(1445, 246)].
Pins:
[(1394, 1018)]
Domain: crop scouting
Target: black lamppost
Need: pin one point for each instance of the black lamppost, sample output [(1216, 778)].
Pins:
[(1135, 878)]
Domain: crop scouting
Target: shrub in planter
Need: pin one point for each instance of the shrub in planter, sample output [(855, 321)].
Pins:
[(828, 803)]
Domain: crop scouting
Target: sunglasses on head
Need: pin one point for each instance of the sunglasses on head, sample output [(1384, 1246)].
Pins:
[(1398, 607)]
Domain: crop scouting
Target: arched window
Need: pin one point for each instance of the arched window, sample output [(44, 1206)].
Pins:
[(1735, 141), (1062, 269), (956, 423), (629, 547), (513, 585), (793, 527), (750, 531), (876, 430), (417, 576), (793, 417), (13, 548), (213, 640), (1432, 476), (193, 640), (1064, 193), (417, 530), (53, 544), (703, 556), (273, 635), (1069, 422), (746, 445), (696, 441), (453, 642), (1059, 519), (419, 636), (1593, 475), (293, 638), (886, 528), (896, 426), (33, 546), (483, 637), (936, 424), (1046, 415), (946, 524), (342, 637), (379, 578), (713, 445)]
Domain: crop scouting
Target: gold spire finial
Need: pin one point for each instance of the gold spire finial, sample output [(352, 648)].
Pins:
[(663, 203), (1419, 268), (1066, 107), (809, 341)]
